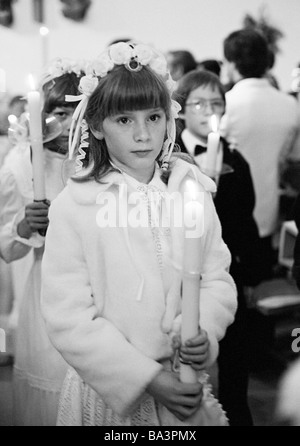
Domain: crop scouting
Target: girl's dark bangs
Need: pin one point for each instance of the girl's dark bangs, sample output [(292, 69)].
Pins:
[(52, 103), (137, 91)]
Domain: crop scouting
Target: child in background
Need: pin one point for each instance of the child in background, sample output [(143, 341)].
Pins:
[(111, 288), (39, 370)]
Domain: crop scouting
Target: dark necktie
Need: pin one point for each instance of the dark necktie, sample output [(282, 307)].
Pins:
[(199, 150)]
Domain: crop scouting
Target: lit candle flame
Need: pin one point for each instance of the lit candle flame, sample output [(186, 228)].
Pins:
[(214, 123), (31, 82), (12, 119), (44, 31)]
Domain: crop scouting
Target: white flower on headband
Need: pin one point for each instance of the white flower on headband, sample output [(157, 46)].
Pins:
[(62, 66), (88, 84), (102, 65), (159, 65), (143, 53), (134, 57), (58, 67), (121, 53)]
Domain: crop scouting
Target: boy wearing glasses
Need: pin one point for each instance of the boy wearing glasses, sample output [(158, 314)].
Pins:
[(201, 94)]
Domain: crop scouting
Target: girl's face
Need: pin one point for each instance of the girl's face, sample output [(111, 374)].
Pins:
[(200, 105), (134, 140), (64, 116)]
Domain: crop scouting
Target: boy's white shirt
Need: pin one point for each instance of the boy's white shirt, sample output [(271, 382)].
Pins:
[(103, 298)]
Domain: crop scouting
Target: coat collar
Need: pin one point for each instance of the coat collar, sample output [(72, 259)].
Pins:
[(244, 84), (86, 192)]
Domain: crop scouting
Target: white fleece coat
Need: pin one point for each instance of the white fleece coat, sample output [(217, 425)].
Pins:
[(103, 297)]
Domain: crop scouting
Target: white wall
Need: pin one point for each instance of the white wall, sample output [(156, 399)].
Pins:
[(197, 25)]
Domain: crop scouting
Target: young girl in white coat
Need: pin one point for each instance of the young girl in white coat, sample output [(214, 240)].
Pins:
[(39, 370), (111, 292)]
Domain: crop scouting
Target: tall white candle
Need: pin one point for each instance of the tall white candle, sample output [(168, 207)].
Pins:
[(2, 81), (219, 162), (36, 142), (193, 229), (2, 341), (213, 142), (44, 33)]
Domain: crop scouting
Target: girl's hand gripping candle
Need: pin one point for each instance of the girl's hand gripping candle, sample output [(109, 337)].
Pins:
[(193, 230)]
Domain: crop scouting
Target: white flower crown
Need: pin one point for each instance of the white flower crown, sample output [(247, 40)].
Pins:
[(60, 66), (134, 57)]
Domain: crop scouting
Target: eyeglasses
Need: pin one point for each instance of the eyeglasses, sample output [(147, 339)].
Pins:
[(217, 105)]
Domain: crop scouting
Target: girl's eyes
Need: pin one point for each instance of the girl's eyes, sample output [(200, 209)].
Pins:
[(60, 115), (155, 117), (125, 120)]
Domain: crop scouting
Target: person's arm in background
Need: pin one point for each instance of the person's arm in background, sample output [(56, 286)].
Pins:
[(290, 157), (17, 238)]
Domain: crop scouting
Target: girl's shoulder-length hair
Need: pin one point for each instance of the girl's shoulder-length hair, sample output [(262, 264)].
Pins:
[(120, 91)]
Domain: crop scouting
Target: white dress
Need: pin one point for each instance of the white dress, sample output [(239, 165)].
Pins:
[(39, 369), (80, 405)]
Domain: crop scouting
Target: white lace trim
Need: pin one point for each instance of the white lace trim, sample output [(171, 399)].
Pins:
[(84, 145), (81, 406)]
